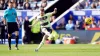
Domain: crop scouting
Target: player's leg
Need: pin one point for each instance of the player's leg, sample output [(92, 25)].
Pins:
[(17, 38), (9, 33), (49, 33), (16, 34), (44, 30), (9, 41), (50, 36), (41, 43)]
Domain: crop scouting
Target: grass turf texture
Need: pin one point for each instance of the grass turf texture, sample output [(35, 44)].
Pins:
[(52, 50)]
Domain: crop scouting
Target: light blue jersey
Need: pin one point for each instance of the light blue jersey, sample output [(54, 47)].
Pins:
[(10, 15), (69, 26)]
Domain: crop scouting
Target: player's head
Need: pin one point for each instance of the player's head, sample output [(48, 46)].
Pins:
[(10, 4), (77, 22), (26, 18), (41, 11), (44, 1), (69, 21), (98, 21)]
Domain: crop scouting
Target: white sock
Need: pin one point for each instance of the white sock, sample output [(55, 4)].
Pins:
[(42, 42)]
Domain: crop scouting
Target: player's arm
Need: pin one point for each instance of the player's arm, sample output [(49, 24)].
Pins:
[(4, 17), (4, 21), (54, 12), (17, 19), (16, 16), (18, 23), (51, 13)]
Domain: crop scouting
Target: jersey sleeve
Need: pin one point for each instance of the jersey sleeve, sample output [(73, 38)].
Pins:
[(15, 12), (5, 14), (49, 14)]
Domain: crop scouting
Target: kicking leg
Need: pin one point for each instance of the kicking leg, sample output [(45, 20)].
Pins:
[(47, 34), (41, 43)]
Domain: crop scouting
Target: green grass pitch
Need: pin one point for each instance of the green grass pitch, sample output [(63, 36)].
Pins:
[(52, 50)]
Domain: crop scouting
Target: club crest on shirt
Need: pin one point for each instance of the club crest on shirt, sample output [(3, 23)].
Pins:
[(13, 13)]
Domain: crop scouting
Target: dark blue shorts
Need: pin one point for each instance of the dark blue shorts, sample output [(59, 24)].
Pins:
[(12, 27)]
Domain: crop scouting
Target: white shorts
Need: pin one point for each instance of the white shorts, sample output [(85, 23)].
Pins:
[(46, 31)]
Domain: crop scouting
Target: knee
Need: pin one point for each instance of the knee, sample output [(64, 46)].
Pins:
[(16, 33), (45, 37), (9, 35)]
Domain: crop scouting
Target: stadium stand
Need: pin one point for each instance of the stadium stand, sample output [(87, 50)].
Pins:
[(24, 9), (75, 15), (79, 14), (60, 5), (89, 4), (25, 4)]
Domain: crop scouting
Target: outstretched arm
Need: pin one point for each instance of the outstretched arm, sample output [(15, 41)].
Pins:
[(55, 11)]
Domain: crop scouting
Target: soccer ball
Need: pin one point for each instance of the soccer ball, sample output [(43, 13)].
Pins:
[(88, 21)]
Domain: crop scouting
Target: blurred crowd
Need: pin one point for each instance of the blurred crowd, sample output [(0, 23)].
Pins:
[(78, 24), (24, 4), (89, 4)]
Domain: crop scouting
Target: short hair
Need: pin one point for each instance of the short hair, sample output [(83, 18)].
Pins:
[(10, 2)]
